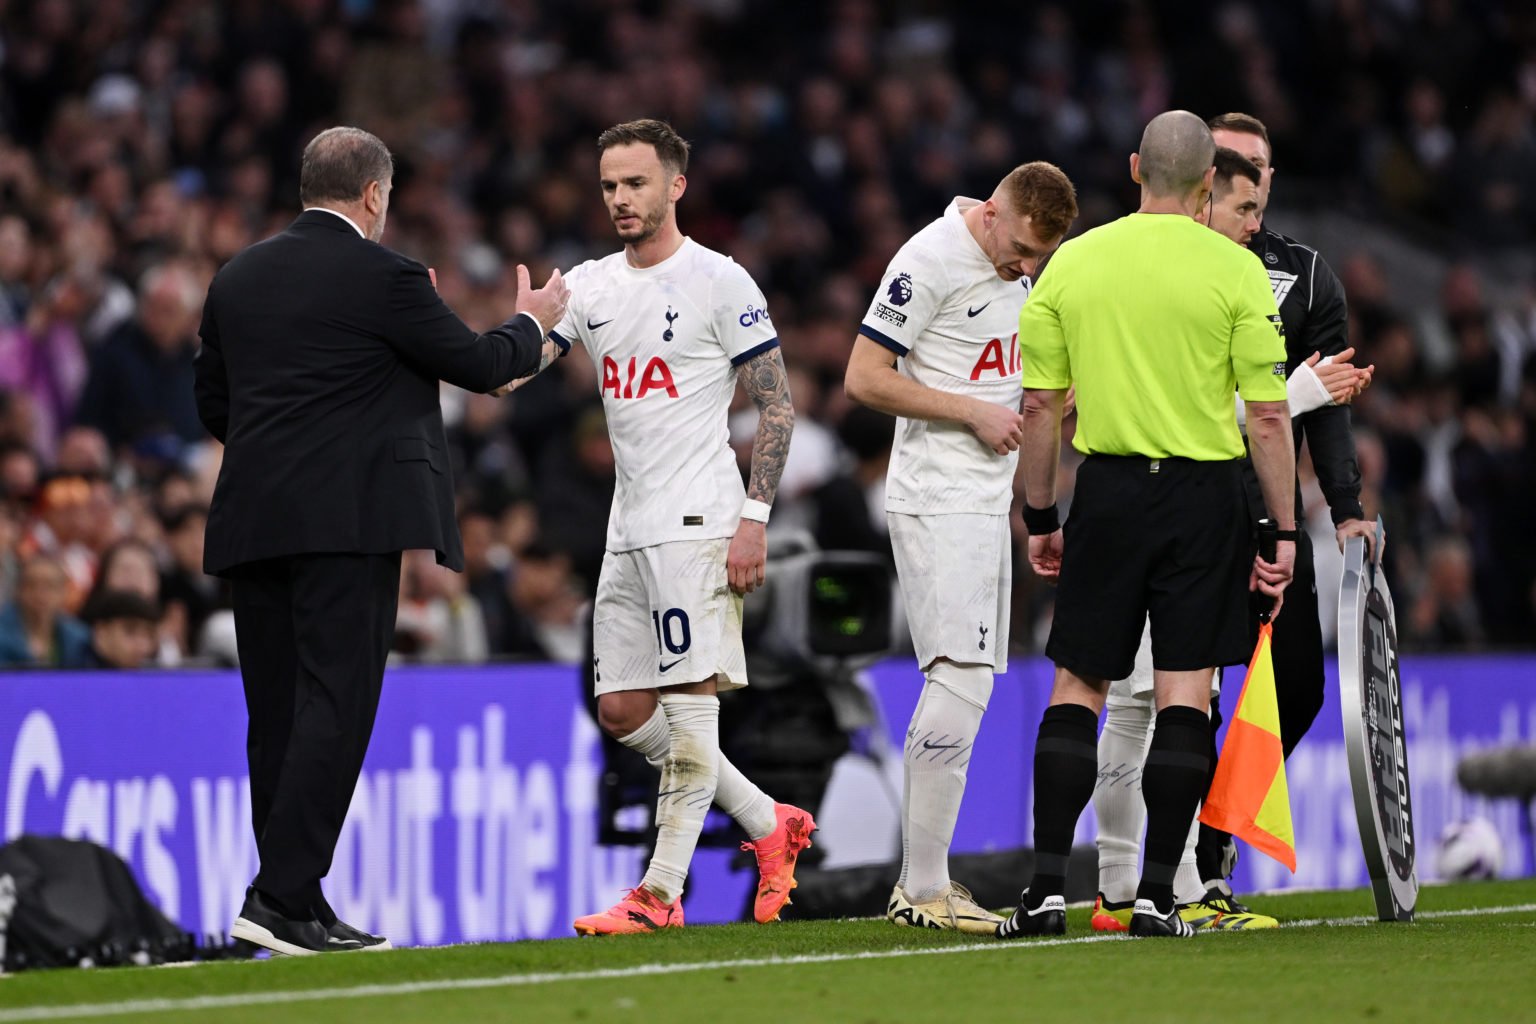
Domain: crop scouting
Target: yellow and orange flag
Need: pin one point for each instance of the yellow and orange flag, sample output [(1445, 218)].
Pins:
[(1248, 797)]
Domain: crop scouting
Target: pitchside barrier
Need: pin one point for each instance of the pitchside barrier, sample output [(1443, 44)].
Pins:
[(475, 815)]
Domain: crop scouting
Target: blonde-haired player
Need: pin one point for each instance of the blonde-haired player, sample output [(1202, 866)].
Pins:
[(938, 348)]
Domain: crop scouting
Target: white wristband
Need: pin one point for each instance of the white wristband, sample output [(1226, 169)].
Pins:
[(757, 511), (1305, 392)]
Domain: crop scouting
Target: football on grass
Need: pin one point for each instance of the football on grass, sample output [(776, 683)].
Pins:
[(1468, 850)]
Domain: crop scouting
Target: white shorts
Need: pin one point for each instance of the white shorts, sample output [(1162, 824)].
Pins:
[(665, 615), (1138, 685), (956, 577)]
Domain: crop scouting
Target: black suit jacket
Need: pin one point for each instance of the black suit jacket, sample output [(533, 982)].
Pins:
[(319, 372)]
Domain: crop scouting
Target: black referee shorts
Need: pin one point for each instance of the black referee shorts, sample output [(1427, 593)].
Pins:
[(1167, 539)]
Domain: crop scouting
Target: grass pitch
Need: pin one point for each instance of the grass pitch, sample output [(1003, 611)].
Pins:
[(1469, 957)]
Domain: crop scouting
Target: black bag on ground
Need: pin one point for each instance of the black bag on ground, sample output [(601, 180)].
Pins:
[(68, 902)]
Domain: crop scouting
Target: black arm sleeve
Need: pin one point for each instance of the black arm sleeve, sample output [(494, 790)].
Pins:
[(1327, 430), (210, 383), (1327, 324), (430, 337)]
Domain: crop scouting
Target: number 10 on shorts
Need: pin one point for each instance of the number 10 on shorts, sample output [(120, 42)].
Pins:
[(672, 630)]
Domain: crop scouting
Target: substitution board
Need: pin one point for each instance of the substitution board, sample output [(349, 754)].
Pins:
[(1371, 699)]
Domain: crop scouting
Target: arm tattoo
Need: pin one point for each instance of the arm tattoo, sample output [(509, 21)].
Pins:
[(765, 381), (547, 355)]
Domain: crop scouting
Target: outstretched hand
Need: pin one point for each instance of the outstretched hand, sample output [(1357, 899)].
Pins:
[(546, 304)]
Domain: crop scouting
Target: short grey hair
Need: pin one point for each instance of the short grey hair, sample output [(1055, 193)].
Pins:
[(1176, 151), (177, 275), (340, 162)]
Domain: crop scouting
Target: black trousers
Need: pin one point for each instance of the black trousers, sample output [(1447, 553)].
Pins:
[(313, 632), (1297, 650)]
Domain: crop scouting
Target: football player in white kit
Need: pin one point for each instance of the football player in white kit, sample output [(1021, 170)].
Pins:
[(939, 349), (672, 327)]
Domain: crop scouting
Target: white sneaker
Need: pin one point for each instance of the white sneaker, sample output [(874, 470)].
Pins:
[(953, 911)]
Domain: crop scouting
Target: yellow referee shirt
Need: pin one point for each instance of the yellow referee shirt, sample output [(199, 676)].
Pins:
[(1156, 319)]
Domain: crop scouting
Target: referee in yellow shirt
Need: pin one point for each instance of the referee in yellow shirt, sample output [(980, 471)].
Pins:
[(1155, 319)]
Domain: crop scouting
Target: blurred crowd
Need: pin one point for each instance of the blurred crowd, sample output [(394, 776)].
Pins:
[(144, 142)]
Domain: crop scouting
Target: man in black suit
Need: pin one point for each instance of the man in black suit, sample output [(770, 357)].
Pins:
[(319, 369)]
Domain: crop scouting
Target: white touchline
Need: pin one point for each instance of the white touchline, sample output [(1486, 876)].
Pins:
[(641, 970), (1517, 908)]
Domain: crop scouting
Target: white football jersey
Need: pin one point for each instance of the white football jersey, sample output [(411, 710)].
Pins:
[(954, 323), (666, 341)]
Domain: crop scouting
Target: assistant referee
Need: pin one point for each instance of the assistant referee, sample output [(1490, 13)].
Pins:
[(1155, 320)]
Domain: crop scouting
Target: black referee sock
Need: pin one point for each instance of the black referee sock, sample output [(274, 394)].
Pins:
[(1210, 848), (1066, 768), (1172, 784)]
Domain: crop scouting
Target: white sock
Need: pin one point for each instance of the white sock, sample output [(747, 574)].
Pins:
[(688, 779), (938, 749), (1219, 884), (739, 797), (652, 740), (1117, 803), (734, 794), (1186, 881)]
